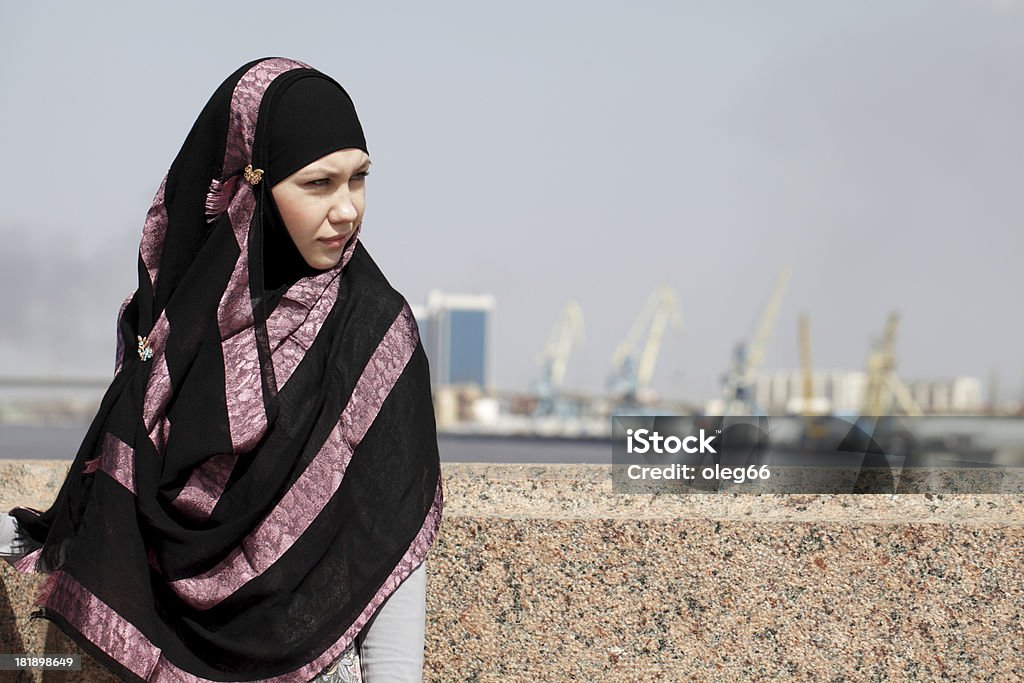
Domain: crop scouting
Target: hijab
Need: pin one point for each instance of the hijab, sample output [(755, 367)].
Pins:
[(262, 472)]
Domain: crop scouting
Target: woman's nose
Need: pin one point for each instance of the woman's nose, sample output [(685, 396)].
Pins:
[(343, 210)]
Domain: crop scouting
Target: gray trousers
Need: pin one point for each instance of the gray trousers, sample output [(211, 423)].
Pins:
[(390, 646)]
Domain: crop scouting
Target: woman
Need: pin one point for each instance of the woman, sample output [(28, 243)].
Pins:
[(263, 473)]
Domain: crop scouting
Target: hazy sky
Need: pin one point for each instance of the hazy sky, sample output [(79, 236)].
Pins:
[(550, 151)]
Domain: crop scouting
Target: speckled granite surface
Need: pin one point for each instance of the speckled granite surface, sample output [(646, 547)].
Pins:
[(541, 573)]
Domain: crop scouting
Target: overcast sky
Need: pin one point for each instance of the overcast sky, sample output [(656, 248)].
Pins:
[(548, 151)]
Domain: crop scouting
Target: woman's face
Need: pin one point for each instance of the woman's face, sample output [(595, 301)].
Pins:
[(322, 205)]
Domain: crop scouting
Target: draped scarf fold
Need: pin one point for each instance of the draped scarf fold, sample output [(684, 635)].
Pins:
[(261, 475)]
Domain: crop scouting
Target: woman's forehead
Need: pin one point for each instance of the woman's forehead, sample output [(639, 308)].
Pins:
[(338, 161)]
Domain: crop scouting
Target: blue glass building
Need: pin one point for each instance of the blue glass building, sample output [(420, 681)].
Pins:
[(455, 329)]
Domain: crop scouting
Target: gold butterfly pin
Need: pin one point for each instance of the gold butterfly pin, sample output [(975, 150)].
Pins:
[(252, 175)]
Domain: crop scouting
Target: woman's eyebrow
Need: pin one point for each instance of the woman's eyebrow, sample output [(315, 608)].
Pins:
[(317, 170), (322, 170)]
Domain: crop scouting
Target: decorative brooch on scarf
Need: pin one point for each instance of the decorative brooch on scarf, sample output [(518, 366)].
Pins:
[(145, 352), (252, 175)]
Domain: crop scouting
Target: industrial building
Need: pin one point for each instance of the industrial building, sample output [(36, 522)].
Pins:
[(456, 331)]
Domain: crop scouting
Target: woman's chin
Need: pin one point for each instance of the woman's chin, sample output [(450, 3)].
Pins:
[(324, 261)]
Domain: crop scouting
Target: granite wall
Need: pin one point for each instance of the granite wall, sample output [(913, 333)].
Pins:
[(541, 573)]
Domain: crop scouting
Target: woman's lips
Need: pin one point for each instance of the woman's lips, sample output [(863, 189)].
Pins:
[(334, 242)]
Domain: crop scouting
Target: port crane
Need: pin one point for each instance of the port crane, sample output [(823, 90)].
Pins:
[(555, 357), (815, 430), (883, 386), (738, 383), (805, 364), (633, 367), (808, 405)]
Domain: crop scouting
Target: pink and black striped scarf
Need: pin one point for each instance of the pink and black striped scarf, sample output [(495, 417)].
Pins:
[(260, 475)]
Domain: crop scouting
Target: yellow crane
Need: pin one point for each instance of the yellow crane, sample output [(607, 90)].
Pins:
[(811, 409), (739, 382), (632, 370), (805, 363), (555, 357), (883, 386)]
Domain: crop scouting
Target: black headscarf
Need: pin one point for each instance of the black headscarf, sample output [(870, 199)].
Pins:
[(260, 477)]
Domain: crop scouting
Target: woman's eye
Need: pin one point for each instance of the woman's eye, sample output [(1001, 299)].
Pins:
[(320, 182), (360, 176)]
